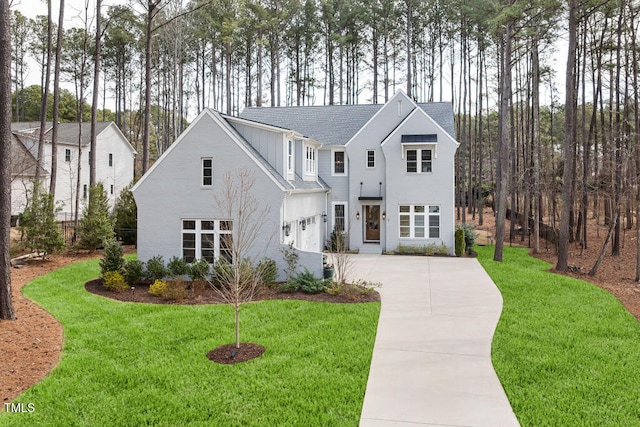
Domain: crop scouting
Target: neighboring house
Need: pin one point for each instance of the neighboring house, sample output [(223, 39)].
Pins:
[(382, 174), (115, 158)]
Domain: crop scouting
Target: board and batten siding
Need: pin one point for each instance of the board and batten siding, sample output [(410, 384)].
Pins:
[(268, 143)]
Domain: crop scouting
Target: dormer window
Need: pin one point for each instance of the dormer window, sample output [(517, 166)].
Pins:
[(290, 156), (310, 161)]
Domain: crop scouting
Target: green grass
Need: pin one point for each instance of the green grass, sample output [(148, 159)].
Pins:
[(142, 364), (566, 351)]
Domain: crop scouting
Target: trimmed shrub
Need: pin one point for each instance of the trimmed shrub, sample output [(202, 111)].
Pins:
[(308, 283), (268, 271), (175, 290), (112, 258), (470, 236), (158, 287), (459, 239), (114, 281), (125, 214), (442, 249), (199, 270), (155, 269), (133, 271), (95, 228), (177, 266)]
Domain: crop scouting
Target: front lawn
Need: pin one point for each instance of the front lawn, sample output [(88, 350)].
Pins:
[(144, 364), (566, 351)]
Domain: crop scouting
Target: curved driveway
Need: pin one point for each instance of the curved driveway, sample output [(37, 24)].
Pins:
[(431, 362)]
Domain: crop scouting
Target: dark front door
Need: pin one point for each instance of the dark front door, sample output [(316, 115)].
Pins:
[(372, 223)]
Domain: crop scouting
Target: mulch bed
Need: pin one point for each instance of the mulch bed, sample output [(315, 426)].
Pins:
[(228, 354), (209, 296)]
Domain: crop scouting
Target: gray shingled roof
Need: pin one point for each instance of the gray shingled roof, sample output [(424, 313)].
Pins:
[(67, 132), (336, 124), (23, 162)]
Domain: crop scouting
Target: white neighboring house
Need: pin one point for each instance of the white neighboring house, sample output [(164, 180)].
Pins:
[(115, 159), (382, 173)]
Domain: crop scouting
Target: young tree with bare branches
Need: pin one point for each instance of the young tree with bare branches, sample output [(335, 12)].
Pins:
[(238, 272)]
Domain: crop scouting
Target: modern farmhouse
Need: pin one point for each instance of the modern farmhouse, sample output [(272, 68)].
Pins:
[(382, 175), (114, 163)]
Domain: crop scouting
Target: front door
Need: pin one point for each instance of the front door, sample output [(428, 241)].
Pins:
[(372, 223)]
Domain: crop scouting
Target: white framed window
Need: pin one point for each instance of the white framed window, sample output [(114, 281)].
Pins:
[(419, 160), (67, 155), (371, 159), (207, 239), (110, 160), (419, 221), (339, 216), (310, 160), (339, 162), (207, 172), (291, 150)]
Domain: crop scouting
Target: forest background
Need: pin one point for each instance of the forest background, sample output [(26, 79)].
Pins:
[(551, 151)]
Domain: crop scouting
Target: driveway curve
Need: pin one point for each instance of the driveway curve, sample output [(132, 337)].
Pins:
[(431, 361)]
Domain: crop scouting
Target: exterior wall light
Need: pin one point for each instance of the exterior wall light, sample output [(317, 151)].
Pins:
[(303, 224), (358, 216), (384, 216), (286, 228)]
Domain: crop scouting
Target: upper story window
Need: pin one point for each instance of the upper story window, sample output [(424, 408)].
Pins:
[(339, 162), (310, 161), (419, 160), (110, 159), (371, 159), (207, 172), (290, 156), (67, 155)]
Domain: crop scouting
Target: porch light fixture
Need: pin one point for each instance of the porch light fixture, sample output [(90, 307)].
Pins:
[(384, 216), (358, 216), (286, 228), (324, 217), (303, 223)]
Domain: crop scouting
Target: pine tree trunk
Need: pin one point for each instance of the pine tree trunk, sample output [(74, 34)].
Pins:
[(569, 141), (6, 303)]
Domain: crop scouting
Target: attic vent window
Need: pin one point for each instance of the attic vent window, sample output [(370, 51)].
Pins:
[(429, 137)]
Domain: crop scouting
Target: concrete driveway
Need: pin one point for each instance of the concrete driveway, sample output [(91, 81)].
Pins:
[(432, 357)]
